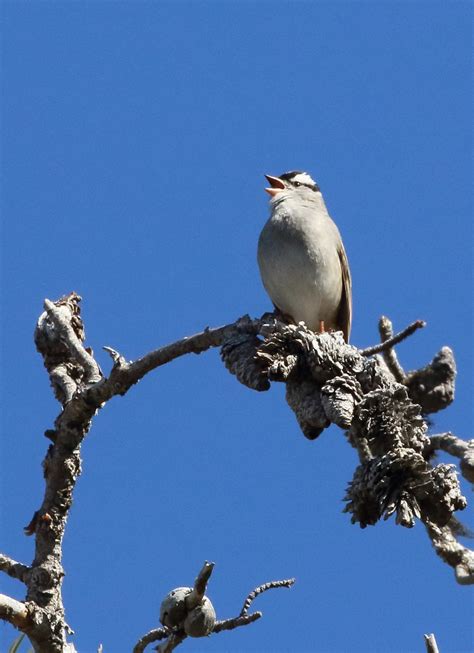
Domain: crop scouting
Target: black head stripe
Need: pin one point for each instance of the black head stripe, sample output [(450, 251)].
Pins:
[(290, 177)]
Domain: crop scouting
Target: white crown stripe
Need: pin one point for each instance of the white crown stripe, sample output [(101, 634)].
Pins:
[(304, 178)]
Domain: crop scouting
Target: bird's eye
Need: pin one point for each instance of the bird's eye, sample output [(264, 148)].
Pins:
[(297, 184)]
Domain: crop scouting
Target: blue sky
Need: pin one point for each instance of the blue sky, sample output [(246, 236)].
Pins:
[(135, 138)]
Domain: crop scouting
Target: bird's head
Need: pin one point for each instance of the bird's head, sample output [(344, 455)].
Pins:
[(291, 182)]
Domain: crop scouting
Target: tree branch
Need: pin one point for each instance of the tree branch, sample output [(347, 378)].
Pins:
[(124, 375), (430, 643), (15, 612), (154, 635), (60, 315), (452, 552), (174, 640), (389, 355), (183, 603), (462, 449), (395, 340), (236, 622), (264, 588), (13, 568), (327, 382)]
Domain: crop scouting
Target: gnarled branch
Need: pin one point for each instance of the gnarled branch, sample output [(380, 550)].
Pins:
[(327, 381)]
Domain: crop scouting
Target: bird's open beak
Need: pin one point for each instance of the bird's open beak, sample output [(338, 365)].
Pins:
[(276, 185)]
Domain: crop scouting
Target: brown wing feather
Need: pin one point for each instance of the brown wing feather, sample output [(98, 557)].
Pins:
[(344, 315)]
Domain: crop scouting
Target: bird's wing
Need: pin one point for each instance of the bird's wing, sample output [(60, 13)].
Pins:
[(344, 316)]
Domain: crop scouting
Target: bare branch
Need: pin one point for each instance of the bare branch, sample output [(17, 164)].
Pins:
[(343, 386), (172, 642), (264, 588), (154, 635), (431, 645), (236, 622), (13, 568), (124, 375), (462, 449), (388, 344), (15, 612), (180, 605), (389, 355), (452, 552)]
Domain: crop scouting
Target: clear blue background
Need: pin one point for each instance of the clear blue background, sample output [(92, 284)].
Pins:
[(135, 139)]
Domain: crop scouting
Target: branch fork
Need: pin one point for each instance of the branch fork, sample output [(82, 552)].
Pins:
[(187, 612), (365, 392)]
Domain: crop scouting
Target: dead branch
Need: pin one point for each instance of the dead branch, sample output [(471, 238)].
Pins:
[(15, 612), (274, 584), (462, 449), (452, 552), (389, 343), (327, 381), (13, 568), (430, 643), (187, 612), (389, 354)]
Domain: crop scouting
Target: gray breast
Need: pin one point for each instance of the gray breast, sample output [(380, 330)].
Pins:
[(299, 262)]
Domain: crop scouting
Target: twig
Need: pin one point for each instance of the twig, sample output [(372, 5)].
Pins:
[(172, 642), (462, 449), (176, 637), (431, 645), (452, 552), (152, 636), (389, 355), (263, 588), (383, 346), (235, 622), (450, 443), (13, 568), (116, 356)]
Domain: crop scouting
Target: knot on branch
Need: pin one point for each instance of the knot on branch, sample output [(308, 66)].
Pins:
[(44, 578), (432, 387), (59, 335), (238, 354), (403, 482)]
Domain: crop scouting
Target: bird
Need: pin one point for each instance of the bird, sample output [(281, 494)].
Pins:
[(302, 260)]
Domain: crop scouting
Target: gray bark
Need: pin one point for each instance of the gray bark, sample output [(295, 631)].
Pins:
[(381, 408)]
